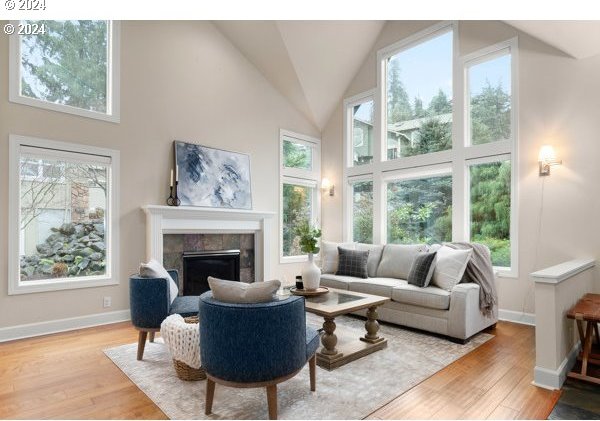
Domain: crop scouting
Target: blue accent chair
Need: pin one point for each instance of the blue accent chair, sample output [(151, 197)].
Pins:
[(150, 304), (255, 345)]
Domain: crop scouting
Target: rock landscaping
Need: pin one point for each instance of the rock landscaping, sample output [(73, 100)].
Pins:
[(74, 249)]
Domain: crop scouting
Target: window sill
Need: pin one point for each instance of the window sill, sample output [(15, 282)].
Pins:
[(61, 108), (298, 259), (293, 259), (31, 287), (502, 272)]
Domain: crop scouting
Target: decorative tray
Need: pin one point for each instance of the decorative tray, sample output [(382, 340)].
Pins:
[(309, 293)]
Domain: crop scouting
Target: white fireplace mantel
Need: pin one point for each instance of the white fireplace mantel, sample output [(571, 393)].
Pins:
[(162, 220)]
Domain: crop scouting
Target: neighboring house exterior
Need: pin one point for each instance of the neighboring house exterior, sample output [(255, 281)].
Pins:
[(406, 133), (49, 199), (400, 135)]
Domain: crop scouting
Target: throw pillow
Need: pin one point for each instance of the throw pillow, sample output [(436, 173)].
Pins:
[(397, 260), (375, 252), (449, 267), (353, 263), (241, 292), (153, 269), (422, 269), (330, 257)]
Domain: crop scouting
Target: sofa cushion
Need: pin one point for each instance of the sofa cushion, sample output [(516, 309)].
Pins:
[(430, 297), (397, 260), (330, 256), (450, 265), (376, 286), (337, 281), (422, 269), (375, 252), (352, 263), (185, 305)]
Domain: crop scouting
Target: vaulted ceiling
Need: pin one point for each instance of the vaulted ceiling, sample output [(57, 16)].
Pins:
[(312, 62), (579, 39)]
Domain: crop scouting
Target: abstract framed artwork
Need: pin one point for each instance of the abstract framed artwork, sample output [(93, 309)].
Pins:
[(212, 177)]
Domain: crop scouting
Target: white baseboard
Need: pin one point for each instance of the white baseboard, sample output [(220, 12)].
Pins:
[(517, 317), (62, 325), (554, 379)]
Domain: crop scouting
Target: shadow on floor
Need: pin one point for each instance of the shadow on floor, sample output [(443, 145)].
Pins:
[(578, 401)]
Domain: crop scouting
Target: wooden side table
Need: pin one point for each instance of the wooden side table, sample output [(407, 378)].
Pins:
[(586, 314)]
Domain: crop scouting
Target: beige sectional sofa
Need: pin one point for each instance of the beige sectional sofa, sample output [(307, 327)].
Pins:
[(453, 313)]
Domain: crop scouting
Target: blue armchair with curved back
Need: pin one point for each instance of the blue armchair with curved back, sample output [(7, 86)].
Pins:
[(255, 345), (150, 304)]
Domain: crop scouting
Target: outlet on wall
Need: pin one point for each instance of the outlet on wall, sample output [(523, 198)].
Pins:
[(107, 302)]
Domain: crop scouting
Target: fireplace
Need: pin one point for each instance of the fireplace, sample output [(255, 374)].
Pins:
[(199, 265), (172, 230)]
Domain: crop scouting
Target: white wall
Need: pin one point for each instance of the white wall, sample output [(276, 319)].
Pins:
[(559, 103), (557, 289), (180, 80)]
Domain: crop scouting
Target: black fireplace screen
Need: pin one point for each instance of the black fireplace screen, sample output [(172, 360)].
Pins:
[(199, 265)]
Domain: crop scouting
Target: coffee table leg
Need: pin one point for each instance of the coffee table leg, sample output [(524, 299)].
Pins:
[(329, 339), (372, 326)]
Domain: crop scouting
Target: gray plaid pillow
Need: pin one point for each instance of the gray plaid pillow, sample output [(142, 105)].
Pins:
[(421, 270), (353, 263)]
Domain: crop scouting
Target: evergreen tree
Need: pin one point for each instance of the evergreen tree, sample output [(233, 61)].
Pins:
[(399, 108), (67, 64), (440, 104), (434, 136), (490, 115), (419, 110), (296, 156)]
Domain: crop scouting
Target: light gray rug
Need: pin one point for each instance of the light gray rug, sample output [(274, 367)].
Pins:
[(352, 391)]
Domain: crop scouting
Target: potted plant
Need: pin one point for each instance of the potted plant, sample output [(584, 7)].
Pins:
[(308, 236)]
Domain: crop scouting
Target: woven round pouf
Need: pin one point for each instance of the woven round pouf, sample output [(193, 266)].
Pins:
[(182, 339)]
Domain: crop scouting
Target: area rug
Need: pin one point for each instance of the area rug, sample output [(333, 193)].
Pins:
[(352, 391)]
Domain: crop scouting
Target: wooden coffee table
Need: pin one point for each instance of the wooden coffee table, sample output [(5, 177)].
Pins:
[(341, 346)]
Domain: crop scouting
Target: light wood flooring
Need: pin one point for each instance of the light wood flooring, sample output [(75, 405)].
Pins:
[(67, 376)]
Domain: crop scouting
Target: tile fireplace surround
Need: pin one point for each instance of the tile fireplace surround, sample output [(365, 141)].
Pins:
[(217, 227), (174, 245)]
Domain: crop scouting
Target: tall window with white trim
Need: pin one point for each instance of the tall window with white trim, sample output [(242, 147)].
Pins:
[(68, 66), (443, 166), (418, 97), (63, 235), (490, 138), (362, 210), (299, 198)]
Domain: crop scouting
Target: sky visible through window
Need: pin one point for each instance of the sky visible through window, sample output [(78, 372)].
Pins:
[(364, 112), (496, 72), (426, 63), (429, 61)]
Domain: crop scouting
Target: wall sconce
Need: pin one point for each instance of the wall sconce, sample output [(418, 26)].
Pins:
[(326, 185), (547, 158)]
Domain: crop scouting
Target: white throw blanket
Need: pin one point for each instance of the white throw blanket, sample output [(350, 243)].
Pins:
[(182, 340)]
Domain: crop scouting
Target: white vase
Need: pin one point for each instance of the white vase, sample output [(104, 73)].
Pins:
[(311, 274)]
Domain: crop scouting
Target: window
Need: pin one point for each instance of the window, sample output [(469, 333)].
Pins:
[(418, 92), (419, 210), (63, 199), (443, 165), (490, 208), (362, 211), (299, 177), (297, 154), (360, 125), (70, 66), (490, 99)]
